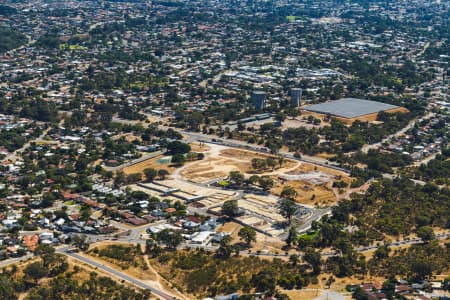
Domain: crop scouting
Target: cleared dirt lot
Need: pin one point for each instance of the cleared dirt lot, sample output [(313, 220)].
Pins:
[(212, 168), (220, 161), (307, 193), (312, 183), (150, 163)]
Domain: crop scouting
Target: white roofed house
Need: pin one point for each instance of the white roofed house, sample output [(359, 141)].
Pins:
[(202, 237)]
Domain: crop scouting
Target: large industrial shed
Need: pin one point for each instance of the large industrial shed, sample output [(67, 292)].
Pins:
[(349, 110)]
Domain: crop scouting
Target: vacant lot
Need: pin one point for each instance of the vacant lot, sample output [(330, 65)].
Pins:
[(308, 193), (312, 183), (212, 168), (220, 161), (150, 163)]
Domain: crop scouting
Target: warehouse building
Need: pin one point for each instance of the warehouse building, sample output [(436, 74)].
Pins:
[(349, 110)]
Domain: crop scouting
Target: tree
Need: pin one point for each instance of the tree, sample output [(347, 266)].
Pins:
[(294, 259), (264, 281), (225, 248), (178, 159), (81, 242), (177, 147), (271, 163), (288, 208), (170, 238), (120, 178), (47, 253), (330, 281), (85, 213), (422, 268), (134, 177), (292, 237), (7, 288), (288, 193), (230, 208), (360, 294), (35, 271), (252, 179), (150, 174), (426, 233), (265, 182), (280, 160), (236, 177), (313, 259), (389, 288), (446, 284), (162, 173), (247, 234), (151, 247), (258, 163)]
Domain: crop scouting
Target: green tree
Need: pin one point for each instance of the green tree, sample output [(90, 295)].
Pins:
[(162, 173), (288, 208), (134, 177), (236, 177), (247, 234), (177, 147), (81, 242), (230, 208), (288, 192), (292, 237), (178, 159), (265, 182), (294, 259), (271, 163), (150, 174), (120, 178), (225, 249), (426, 233), (35, 271), (7, 288), (313, 259), (258, 163), (264, 281), (170, 238)]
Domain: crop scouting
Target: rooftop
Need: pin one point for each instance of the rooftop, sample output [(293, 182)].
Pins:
[(350, 107)]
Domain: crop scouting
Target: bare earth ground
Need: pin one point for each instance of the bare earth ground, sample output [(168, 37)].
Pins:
[(220, 161), (263, 242), (307, 193), (197, 147), (150, 163)]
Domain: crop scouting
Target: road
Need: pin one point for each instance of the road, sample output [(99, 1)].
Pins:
[(393, 176), (402, 131), (197, 136), (11, 261), (66, 251)]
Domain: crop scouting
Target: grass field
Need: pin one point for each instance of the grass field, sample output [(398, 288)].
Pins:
[(72, 47), (290, 18)]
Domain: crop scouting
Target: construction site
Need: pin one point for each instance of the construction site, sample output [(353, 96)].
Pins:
[(197, 185)]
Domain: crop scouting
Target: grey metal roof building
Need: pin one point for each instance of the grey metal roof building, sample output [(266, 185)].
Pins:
[(350, 107)]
